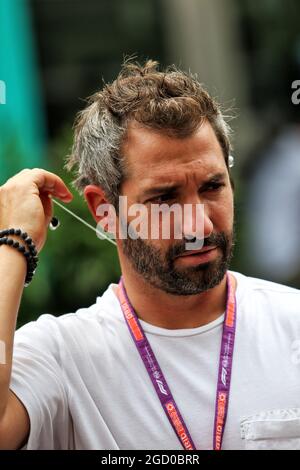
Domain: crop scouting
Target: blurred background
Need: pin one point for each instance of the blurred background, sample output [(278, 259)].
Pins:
[(55, 53)]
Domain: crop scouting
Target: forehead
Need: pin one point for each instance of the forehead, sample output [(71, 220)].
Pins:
[(152, 156)]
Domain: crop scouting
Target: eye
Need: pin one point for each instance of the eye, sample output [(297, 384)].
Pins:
[(161, 198), (166, 197), (214, 186)]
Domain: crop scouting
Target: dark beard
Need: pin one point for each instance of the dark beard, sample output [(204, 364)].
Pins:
[(159, 269)]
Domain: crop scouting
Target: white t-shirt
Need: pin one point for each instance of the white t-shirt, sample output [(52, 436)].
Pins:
[(85, 386)]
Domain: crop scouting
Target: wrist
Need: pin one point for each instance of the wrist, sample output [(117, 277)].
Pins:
[(24, 245), (13, 258)]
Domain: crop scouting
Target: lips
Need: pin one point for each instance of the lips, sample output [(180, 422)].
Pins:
[(198, 252), (192, 258)]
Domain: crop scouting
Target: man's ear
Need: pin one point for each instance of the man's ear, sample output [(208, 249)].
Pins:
[(94, 197)]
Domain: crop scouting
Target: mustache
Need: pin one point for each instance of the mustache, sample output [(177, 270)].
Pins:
[(219, 240)]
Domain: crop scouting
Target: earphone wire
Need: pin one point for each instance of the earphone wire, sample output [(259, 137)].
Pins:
[(101, 233)]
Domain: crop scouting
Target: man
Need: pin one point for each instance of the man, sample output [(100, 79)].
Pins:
[(183, 353)]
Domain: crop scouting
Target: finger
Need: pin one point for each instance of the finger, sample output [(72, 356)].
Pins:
[(48, 207), (49, 182)]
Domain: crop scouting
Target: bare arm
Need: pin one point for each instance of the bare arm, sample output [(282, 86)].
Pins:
[(24, 204), (12, 275)]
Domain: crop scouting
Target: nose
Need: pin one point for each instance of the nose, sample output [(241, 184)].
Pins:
[(196, 222)]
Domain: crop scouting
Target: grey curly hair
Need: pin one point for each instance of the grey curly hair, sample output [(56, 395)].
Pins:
[(172, 101)]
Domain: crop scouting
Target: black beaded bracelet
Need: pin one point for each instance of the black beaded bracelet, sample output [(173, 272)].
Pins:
[(30, 255), (23, 235)]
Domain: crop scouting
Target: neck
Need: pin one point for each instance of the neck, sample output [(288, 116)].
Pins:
[(172, 311)]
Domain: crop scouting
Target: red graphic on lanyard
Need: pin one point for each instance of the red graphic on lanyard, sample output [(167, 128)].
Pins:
[(230, 317), (221, 406), (178, 426), (131, 320)]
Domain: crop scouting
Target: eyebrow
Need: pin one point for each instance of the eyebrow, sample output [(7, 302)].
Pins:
[(216, 178)]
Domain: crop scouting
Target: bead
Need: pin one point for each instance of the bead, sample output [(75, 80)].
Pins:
[(54, 224), (32, 250), (21, 249), (16, 244), (24, 235), (10, 242), (28, 240), (18, 232), (11, 231), (31, 267)]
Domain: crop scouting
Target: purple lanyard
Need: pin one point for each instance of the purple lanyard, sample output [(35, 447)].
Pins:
[(159, 382)]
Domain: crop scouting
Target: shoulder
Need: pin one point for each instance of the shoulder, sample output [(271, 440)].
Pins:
[(265, 299), (272, 291), (268, 289)]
